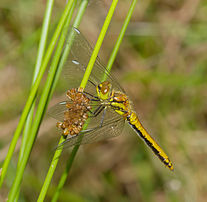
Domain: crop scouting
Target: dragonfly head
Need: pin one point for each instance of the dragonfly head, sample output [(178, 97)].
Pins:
[(104, 90)]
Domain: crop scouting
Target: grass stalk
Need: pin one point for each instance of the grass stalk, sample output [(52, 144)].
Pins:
[(65, 174), (33, 93), (50, 172), (41, 108), (40, 54), (98, 44), (121, 36), (58, 152)]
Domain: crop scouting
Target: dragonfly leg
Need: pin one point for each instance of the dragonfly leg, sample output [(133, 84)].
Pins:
[(97, 99), (102, 118), (97, 111), (87, 130), (92, 83)]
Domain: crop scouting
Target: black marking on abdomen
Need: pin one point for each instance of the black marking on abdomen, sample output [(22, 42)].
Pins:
[(148, 143)]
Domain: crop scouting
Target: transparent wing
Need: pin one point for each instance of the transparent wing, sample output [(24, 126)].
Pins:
[(78, 60), (57, 111), (108, 130)]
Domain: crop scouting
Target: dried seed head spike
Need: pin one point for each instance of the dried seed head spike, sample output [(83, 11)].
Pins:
[(76, 113)]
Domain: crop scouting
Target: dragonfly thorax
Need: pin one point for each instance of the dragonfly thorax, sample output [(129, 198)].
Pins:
[(115, 99), (120, 103)]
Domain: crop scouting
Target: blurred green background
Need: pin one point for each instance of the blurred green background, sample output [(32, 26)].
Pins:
[(162, 65)]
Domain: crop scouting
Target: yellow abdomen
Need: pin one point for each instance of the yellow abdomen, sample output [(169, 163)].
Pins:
[(137, 126)]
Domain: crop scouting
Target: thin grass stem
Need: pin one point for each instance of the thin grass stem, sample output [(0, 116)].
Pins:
[(121, 36), (50, 172), (33, 93), (98, 44), (40, 54), (59, 150), (39, 114), (65, 174)]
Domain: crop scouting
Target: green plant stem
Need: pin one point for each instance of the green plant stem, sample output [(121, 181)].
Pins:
[(50, 172), (98, 43), (59, 150), (40, 54), (83, 84), (33, 93), (121, 36), (39, 115), (65, 174)]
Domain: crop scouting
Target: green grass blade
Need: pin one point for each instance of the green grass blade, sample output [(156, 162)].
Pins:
[(38, 117), (121, 36), (40, 54), (33, 93), (98, 43), (65, 174), (50, 172), (59, 150)]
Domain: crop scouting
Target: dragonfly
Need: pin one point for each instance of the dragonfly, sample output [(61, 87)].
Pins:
[(107, 106)]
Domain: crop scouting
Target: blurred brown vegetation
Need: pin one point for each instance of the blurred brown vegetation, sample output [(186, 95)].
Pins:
[(162, 65)]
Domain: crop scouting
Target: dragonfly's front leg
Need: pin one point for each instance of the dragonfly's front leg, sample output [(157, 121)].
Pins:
[(94, 98), (98, 110)]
